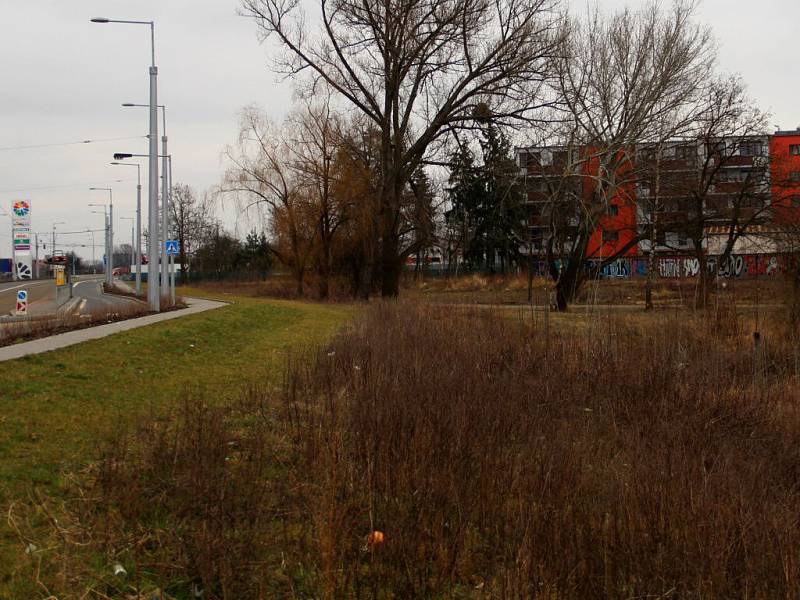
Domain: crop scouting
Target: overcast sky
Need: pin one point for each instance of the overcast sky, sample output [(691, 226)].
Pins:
[(62, 79)]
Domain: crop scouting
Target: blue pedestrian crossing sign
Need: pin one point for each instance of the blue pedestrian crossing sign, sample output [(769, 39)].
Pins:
[(171, 247)]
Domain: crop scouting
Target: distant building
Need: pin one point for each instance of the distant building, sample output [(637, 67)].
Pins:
[(752, 181)]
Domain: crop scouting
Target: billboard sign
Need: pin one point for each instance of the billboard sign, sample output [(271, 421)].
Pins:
[(21, 238), (22, 209)]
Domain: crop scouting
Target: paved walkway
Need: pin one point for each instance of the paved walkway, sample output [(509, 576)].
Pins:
[(54, 342)]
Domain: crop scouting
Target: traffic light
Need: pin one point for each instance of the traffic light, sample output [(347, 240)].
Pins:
[(58, 259)]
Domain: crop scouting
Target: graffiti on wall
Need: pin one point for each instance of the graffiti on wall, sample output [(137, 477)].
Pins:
[(735, 266), (673, 267)]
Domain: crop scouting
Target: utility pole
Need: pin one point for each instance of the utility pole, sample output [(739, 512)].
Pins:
[(109, 235), (133, 248), (36, 256), (153, 293), (94, 263), (165, 183), (137, 241), (53, 240), (172, 257)]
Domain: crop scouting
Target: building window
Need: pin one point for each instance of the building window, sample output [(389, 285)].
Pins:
[(717, 147), (610, 235), (794, 149), (751, 149), (794, 176), (732, 176), (613, 210), (684, 152)]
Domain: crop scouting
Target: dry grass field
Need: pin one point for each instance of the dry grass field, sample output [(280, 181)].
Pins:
[(433, 451)]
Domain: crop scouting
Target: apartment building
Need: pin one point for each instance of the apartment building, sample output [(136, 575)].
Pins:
[(688, 191)]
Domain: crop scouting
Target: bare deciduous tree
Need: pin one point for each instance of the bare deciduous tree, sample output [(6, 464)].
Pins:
[(728, 184), (191, 218), (416, 69), (316, 134), (619, 75), (262, 175)]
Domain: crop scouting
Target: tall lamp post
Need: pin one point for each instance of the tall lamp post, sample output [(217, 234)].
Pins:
[(110, 234), (153, 292), (137, 244), (104, 212), (94, 264), (166, 189), (133, 247), (165, 223), (53, 239)]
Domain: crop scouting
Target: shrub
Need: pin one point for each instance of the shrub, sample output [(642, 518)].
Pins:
[(451, 453), (613, 462)]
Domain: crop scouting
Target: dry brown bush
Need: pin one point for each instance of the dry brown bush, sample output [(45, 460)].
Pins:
[(281, 287), (611, 462), (502, 456)]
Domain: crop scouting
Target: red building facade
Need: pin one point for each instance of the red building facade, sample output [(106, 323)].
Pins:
[(784, 150), (777, 201)]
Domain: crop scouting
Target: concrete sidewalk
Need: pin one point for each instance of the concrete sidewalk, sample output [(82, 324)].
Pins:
[(54, 342)]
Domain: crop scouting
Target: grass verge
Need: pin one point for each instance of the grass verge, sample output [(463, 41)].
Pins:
[(60, 407)]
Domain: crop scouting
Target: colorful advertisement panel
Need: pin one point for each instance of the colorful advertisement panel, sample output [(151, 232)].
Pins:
[(21, 238)]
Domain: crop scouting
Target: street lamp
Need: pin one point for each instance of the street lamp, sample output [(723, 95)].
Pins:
[(105, 235), (167, 176), (133, 222), (166, 186), (94, 264), (153, 292), (109, 235), (137, 245), (53, 240)]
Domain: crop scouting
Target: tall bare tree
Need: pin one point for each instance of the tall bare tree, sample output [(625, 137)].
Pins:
[(417, 69), (262, 174), (728, 182), (619, 75), (191, 218), (316, 135)]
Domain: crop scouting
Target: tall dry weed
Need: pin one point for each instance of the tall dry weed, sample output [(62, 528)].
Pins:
[(612, 461)]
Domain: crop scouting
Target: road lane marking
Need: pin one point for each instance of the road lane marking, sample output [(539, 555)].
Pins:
[(11, 289)]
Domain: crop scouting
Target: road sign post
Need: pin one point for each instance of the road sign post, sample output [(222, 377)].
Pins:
[(171, 248), (61, 278), (22, 303)]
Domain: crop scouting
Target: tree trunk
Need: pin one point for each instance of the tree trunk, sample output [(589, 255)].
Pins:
[(562, 298), (703, 289), (795, 311), (391, 271), (323, 283), (391, 266), (651, 260), (324, 270)]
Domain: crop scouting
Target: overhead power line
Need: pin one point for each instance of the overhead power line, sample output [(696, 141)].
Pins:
[(59, 232), (63, 186), (97, 141)]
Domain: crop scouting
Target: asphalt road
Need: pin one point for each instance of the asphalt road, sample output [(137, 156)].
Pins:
[(94, 299), (44, 290), (43, 293)]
